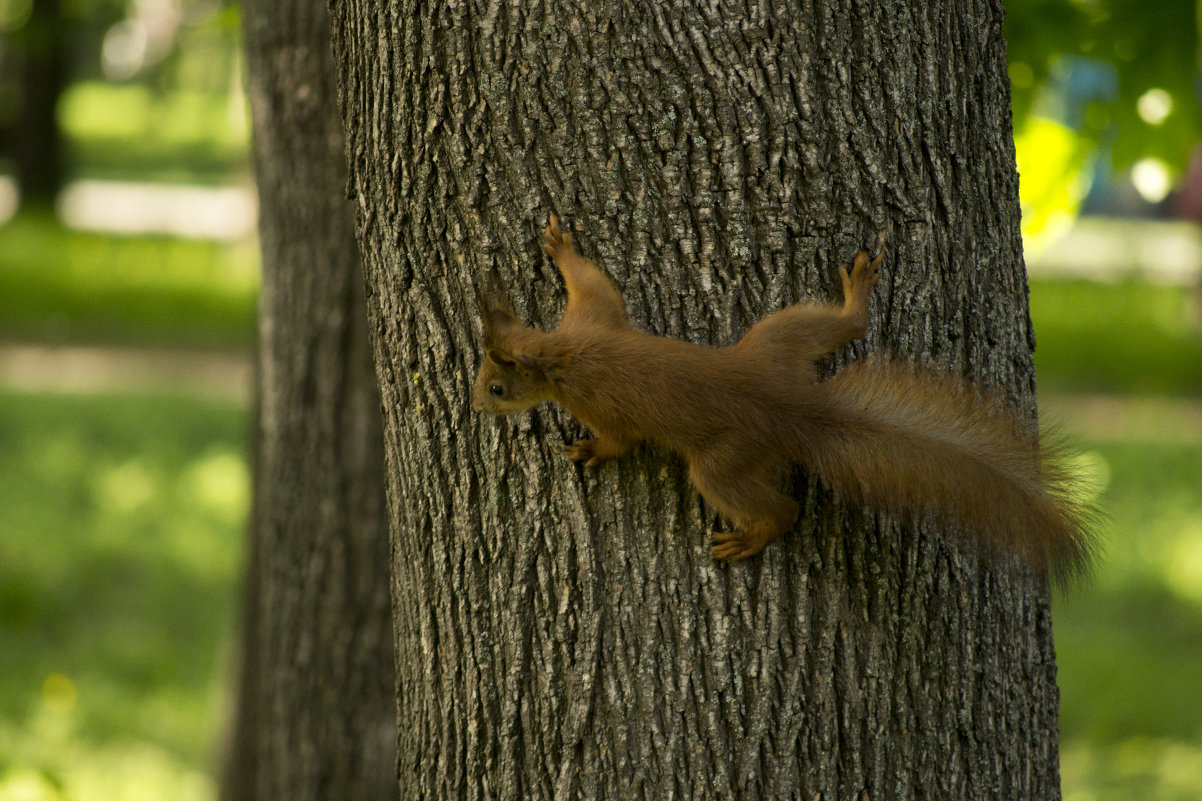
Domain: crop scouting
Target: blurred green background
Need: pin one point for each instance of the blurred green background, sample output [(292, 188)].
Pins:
[(128, 278)]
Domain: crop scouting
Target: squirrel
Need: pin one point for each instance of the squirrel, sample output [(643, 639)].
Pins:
[(908, 440)]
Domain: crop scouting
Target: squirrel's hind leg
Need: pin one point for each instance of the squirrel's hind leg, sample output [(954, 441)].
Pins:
[(799, 334), (748, 497)]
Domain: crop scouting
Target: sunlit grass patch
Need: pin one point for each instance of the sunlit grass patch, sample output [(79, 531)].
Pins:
[(59, 285), (51, 760), (1144, 768), (1128, 337), (122, 522), (130, 130)]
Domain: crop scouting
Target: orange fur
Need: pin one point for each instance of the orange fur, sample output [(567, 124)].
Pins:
[(907, 440)]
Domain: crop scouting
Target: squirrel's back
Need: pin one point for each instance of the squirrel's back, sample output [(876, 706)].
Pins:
[(682, 395)]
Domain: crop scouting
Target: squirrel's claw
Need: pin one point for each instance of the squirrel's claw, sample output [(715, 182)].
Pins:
[(583, 451), (733, 546), (865, 273), (551, 236), (555, 242)]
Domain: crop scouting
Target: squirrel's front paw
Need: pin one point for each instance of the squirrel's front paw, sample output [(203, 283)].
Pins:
[(584, 450), (731, 546)]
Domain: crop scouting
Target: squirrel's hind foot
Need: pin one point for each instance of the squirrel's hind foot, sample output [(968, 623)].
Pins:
[(583, 450), (595, 451), (555, 242), (864, 275), (733, 546)]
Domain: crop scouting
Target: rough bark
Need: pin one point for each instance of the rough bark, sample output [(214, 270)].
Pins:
[(317, 711), (564, 633)]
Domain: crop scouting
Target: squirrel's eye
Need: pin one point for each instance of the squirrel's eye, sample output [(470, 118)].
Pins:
[(497, 390)]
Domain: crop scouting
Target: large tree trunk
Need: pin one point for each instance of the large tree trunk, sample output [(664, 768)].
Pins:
[(565, 633), (317, 711)]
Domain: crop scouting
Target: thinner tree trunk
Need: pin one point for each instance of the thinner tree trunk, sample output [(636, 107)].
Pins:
[(564, 633), (317, 711), (37, 150)]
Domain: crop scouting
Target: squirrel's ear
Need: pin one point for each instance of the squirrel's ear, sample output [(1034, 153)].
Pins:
[(534, 367), (500, 357), (495, 309)]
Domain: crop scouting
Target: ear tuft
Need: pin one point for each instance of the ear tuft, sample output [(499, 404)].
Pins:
[(495, 309), (500, 357), (533, 367)]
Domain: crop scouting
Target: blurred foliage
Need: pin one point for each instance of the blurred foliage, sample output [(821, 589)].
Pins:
[(177, 43), (122, 521), (1135, 45), (1099, 86), (60, 285), (172, 71), (1054, 168)]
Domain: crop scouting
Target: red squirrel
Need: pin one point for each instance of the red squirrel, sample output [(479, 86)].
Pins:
[(908, 440)]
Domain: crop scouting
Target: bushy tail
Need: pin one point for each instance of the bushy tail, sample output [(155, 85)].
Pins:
[(915, 441)]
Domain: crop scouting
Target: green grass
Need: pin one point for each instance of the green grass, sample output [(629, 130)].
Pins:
[(59, 285), (131, 132), (1129, 641), (1127, 337), (121, 536)]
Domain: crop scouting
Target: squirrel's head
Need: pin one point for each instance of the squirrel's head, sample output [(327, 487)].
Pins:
[(511, 379), (507, 384)]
